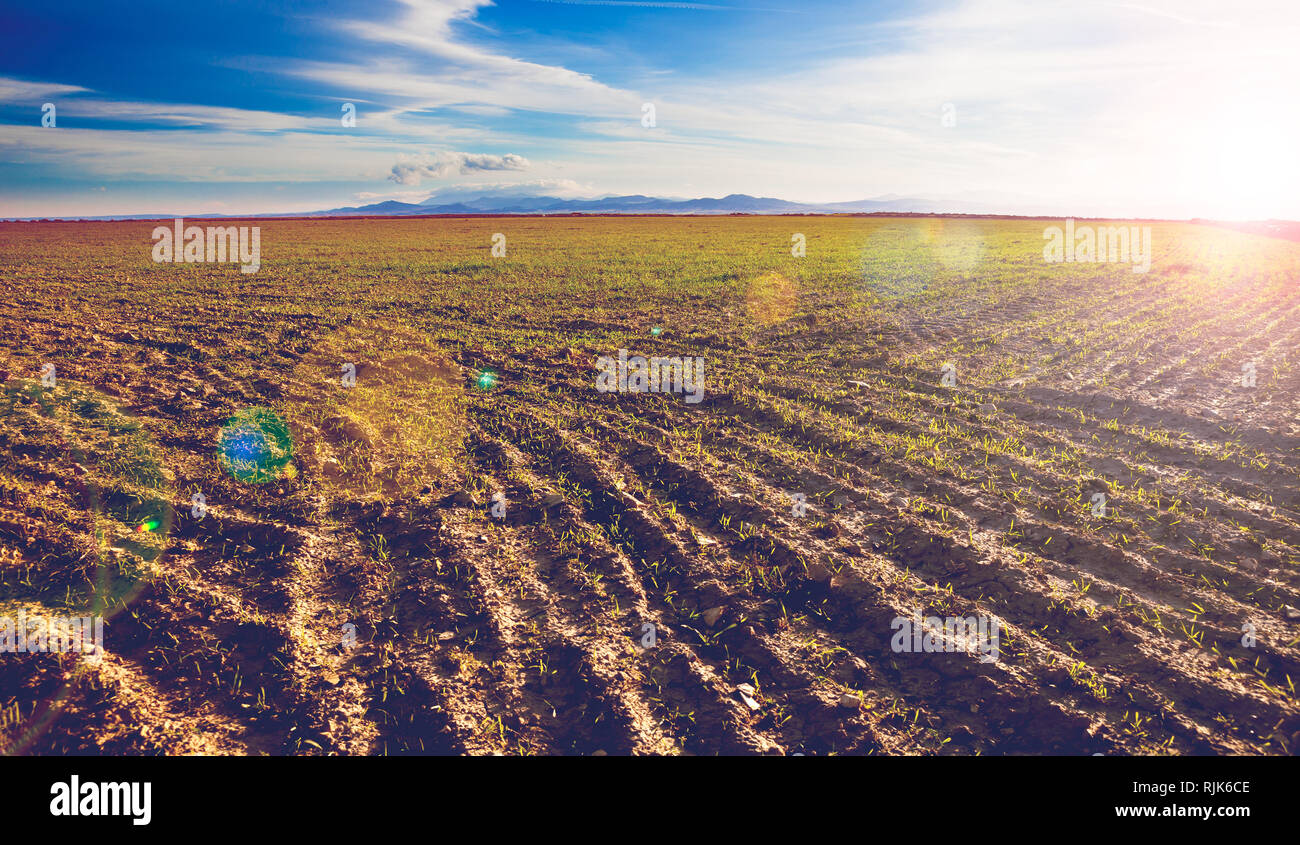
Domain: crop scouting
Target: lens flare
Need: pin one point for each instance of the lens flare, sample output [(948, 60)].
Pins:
[(255, 445), (118, 491), (771, 298), (486, 380)]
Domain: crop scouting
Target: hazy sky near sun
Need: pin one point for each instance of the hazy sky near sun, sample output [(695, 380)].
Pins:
[(1175, 108)]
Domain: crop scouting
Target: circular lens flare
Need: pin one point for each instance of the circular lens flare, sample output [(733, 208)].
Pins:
[(255, 446)]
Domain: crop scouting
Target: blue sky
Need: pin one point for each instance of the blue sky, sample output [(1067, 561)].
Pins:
[(1159, 108)]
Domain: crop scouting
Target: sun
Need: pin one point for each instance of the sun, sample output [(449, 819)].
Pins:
[(1245, 167)]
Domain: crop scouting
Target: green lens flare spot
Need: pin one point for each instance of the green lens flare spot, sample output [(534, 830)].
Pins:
[(656, 331), (255, 446), (486, 380)]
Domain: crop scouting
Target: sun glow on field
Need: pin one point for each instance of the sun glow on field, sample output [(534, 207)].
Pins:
[(393, 430), (771, 298), (958, 245), (906, 259)]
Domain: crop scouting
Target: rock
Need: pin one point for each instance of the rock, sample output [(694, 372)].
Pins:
[(1129, 635), (331, 678), (1112, 467), (819, 571), (462, 499), (746, 693), (988, 409), (551, 500), (599, 752), (346, 428), (1093, 485), (1249, 565), (712, 615), (850, 701), (1038, 533), (1291, 614)]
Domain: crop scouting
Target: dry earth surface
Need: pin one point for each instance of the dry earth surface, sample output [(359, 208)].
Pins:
[(828, 483)]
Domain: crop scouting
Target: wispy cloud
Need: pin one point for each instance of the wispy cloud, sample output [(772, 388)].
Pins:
[(1154, 107), (21, 91)]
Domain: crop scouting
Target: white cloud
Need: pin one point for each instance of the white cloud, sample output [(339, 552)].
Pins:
[(78, 105), (468, 76), (188, 155), (23, 91), (241, 120), (564, 188), (409, 170), (400, 196)]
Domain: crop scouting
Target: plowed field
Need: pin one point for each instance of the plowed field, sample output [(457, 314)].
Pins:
[(474, 550)]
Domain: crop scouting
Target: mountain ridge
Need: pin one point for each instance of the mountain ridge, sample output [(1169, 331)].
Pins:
[(624, 204)]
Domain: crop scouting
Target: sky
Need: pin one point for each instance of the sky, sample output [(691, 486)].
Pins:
[(1156, 109)]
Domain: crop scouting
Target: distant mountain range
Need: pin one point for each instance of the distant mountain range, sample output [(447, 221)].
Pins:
[(465, 201), (633, 204), (641, 204)]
